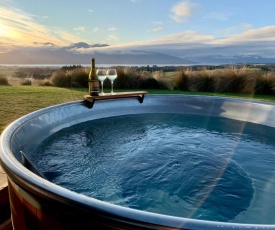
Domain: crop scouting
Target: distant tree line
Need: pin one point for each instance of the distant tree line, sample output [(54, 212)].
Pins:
[(264, 67), (70, 67)]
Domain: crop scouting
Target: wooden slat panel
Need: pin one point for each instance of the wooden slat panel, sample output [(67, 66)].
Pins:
[(4, 196), (7, 225)]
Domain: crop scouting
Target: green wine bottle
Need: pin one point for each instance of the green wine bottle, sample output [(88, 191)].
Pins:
[(93, 80)]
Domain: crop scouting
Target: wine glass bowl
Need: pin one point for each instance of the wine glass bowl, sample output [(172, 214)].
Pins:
[(101, 74), (111, 75)]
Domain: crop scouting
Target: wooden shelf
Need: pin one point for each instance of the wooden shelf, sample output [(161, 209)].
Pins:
[(108, 96)]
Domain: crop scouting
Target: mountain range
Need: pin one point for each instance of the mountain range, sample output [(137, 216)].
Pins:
[(235, 59), (65, 56), (49, 54)]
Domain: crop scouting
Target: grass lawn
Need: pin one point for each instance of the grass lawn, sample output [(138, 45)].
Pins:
[(16, 101)]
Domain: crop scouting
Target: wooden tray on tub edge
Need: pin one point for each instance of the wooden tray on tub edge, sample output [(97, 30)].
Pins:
[(110, 96)]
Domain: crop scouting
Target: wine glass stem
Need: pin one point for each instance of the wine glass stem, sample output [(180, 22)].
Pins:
[(102, 87), (112, 91)]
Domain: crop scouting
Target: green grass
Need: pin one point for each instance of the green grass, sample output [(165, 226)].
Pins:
[(16, 101)]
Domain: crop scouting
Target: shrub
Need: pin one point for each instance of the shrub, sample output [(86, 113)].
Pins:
[(249, 77), (149, 83), (181, 81), (46, 83), (162, 81), (225, 81), (234, 81), (153, 80), (61, 79), (162, 84), (4, 80), (79, 77), (126, 79), (201, 81), (26, 82), (265, 83), (158, 75)]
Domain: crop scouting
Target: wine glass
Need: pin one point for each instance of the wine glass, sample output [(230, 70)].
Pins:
[(101, 74), (111, 74)]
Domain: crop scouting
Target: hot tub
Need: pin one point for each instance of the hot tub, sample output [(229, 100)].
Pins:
[(36, 203)]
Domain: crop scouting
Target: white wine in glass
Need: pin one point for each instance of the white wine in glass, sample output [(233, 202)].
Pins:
[(112, 75), (101, 74)]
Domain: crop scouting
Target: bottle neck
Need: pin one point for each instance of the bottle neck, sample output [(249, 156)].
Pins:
[(92, 74)]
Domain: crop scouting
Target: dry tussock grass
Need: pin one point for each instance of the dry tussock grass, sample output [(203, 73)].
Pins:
[(229, 80)]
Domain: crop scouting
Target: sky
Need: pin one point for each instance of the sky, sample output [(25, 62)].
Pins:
[(173, 27)]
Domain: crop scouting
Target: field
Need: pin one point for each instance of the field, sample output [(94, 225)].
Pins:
[(16, 75), (16, 101)]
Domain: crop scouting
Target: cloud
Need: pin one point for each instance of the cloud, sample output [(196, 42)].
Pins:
[(6, 46), (66, 37), (80, 28), (43, 44), (112, 29), (79, 45), (183, 10), (82, 47), (5, 31), (235, 29), (157, 30), (175, 43), (95, 30), (264, 34), (18, 28), (158, 23), (112, 37), (191, 43), (85, 45), (18, 23), (221, 16), (23, 30), (186, 37), (91, 11), (99, 45)]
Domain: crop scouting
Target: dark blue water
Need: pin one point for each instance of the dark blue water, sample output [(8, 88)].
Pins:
[(188, 166)]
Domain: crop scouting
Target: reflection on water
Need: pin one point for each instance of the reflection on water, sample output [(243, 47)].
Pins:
[(181, 165)]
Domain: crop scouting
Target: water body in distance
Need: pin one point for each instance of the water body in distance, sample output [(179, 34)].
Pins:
[(188, 166), (97, 65)]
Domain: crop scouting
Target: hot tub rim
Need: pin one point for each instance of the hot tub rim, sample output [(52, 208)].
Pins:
[(28, 180)]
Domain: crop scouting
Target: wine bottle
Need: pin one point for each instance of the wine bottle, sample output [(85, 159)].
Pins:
[(93, 80)]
